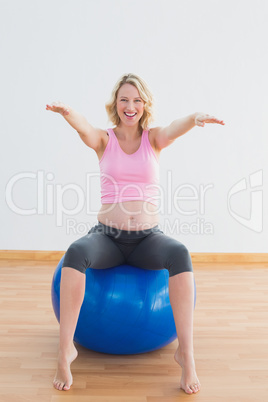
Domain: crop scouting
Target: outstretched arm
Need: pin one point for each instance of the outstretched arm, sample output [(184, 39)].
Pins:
[(75, 119), (90, 135), (166, 135)]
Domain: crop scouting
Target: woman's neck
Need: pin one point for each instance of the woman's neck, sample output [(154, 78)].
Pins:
[(128, 133)]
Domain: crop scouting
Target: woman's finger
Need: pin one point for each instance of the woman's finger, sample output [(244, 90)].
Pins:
[(212, 119)]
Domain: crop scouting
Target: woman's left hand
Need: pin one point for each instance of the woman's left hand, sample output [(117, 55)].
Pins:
[(202, 118)]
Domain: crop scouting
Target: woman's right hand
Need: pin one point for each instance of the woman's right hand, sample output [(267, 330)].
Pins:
[(58, 107)]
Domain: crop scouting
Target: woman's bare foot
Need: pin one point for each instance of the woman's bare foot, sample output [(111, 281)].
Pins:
[(63, 378), (189, 381)]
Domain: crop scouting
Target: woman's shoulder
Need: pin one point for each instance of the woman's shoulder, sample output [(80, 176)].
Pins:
[(153, 130), (104, 135), (152, 133)]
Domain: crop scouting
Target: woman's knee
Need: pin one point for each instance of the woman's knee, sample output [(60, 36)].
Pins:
[(76, 256), (179, 259)]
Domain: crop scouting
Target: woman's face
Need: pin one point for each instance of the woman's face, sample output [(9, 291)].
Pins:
[(129, 102)]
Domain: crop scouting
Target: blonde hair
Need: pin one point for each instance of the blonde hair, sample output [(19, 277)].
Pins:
[(145, 94)]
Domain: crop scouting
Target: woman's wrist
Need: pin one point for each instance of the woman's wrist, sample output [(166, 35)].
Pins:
[(194, 117), (66, 111)]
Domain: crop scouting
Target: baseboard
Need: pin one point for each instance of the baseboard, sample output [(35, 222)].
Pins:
[(35, 255), (39, 255), (230, 257)]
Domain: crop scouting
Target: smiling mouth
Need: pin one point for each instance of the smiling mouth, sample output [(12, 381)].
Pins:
[(130, 115)]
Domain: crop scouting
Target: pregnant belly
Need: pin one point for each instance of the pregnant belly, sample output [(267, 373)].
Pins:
[(129, 215)]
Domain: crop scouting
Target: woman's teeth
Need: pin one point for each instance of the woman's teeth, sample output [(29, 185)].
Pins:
[(130, 115)]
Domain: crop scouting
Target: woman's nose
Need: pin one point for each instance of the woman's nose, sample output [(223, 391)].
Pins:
[(130, 106)]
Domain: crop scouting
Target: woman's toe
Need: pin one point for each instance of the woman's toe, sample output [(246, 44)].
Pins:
[(195, 387), (59, 385), (188, 389)]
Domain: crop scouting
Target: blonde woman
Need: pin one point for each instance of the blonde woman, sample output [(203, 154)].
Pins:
[(127, 231)]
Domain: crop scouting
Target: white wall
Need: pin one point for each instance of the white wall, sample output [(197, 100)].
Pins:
[(208, 56)]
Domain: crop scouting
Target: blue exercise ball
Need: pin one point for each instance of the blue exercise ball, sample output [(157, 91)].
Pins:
[(126, 310)]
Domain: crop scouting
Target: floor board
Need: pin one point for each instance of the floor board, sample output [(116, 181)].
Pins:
[(230, 342)]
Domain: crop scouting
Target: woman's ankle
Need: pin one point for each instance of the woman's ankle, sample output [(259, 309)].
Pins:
[(66, 349), (185, 352)]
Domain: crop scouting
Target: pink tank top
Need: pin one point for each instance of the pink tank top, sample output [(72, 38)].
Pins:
[(127, 177)]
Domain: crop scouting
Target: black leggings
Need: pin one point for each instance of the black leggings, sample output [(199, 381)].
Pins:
[(107, 247)]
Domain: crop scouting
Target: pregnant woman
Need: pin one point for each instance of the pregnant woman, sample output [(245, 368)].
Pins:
[(127, 231)]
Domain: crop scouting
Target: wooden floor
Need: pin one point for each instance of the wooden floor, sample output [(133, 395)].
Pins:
[(230, 341)]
